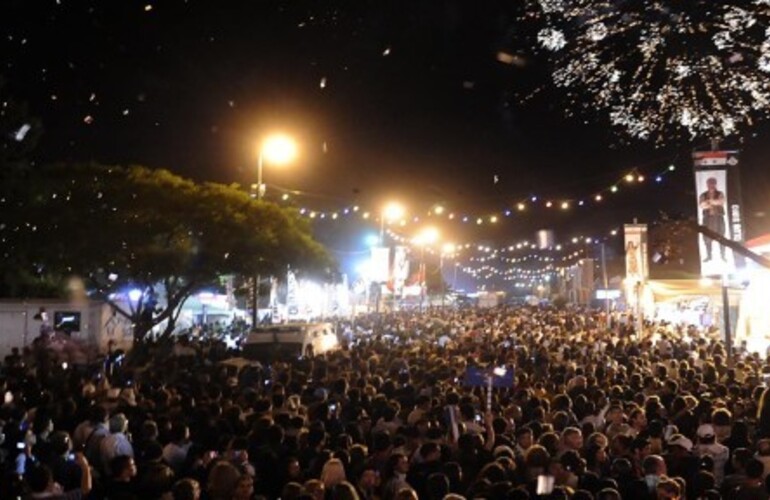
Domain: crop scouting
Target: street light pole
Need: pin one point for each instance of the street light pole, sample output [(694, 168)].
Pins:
[(276, 149), (257, 277), (606, 285)]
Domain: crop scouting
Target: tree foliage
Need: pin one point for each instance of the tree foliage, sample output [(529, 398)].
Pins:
[(118, 227)]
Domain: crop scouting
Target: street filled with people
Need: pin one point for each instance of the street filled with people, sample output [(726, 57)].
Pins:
[(505, 402)]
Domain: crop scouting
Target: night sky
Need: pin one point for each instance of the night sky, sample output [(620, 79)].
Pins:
[(389, 99)]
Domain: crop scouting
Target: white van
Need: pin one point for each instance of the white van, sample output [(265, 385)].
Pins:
[(290, 340)]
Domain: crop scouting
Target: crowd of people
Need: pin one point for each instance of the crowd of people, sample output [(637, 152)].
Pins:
[(590, 409)]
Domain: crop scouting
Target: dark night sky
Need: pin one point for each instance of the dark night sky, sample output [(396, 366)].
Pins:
[(415, 104)]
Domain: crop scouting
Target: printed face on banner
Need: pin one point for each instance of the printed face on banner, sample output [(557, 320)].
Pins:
[(636, 252), (380, 269), (711, 190)]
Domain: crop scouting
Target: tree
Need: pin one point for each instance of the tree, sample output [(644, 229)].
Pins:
[(152, 231)]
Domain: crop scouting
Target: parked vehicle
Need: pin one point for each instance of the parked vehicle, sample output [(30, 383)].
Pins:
[(290, 340)]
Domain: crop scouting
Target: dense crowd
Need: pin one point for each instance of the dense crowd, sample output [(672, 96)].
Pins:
[(593, 411)]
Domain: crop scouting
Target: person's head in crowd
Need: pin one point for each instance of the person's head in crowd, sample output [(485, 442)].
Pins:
[(98, 414), (315, 487), (550, 441), (291, 491), (406, 493), (537, 460), (61, 444), (706, 434), (668, 489), (344, 491), (332, 473), (621, 445), (437, 486), (641, 447), (244, 488), (118, 424), (654, 465), (369, 479), (149, 431), (702, 482), (222, 480), (493, 472), (763, 448), (524, 438), (572, 439), (755, 469), (679, 445), (740, 458), (186, 489), (637, 419), (738, 434)]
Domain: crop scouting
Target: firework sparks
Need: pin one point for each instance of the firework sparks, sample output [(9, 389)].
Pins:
[(662, 68)]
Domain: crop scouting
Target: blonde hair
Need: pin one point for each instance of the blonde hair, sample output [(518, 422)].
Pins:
[(333, 473)]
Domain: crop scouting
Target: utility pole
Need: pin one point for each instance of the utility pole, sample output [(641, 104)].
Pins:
[(606, 285)]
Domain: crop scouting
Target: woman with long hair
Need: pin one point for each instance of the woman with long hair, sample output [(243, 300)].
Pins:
[(333, 473)]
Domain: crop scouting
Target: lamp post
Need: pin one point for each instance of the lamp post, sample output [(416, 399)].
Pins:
[(277, 149)]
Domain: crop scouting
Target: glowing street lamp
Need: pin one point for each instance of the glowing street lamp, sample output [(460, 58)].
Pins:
[(277, 149), (391, 211)]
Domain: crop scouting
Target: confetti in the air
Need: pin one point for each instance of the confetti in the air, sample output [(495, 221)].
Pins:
[(88, 119), (322, 83), (22, 132), (386, 52)]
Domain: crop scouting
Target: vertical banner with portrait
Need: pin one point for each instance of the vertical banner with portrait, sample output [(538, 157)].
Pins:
[(292, 296), (400, 270), (637, 269), (719, 209), (380, 264)]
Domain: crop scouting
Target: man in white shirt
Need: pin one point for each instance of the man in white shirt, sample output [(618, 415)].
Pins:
[(707, 445), (117, 443)]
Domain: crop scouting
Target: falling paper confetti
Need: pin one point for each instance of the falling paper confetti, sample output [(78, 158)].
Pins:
[(22, 132), (88, 119), (323, 83), (386, 52)]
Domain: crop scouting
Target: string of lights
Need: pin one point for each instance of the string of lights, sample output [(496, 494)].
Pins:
[(633, 178)]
